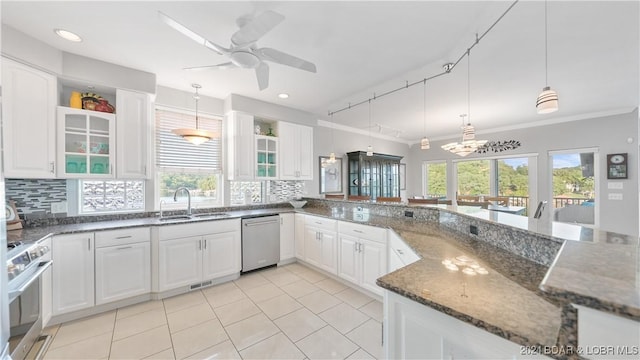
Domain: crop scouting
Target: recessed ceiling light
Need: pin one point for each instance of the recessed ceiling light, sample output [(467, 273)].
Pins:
[(68, 35), (283, 96)]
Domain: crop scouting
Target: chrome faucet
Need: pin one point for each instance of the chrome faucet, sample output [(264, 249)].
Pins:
[(161, 202), (175, 198)]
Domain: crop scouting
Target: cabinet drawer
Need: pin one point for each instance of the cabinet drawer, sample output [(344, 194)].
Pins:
[(363, 231), (401, 249), (122, 236), (320, 222), (196, 229)]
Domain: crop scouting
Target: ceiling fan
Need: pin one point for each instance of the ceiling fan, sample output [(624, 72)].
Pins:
[(243, 51)]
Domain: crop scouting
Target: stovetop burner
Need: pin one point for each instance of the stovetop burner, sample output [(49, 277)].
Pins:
[(14, 244)]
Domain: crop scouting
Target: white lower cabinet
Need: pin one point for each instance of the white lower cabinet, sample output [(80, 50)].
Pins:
[(47, 289), (415, 331), (320, 243), (299, 236), (287, 236), (362, 254), (123, 264), (73, 272), (190, 254), (400, 254), (180, 262), (604, 335), (122, 272)]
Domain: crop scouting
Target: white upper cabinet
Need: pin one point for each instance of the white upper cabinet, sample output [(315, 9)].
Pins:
[(133, 130), (86, 143), (29, 118), (296, 151), (240, 146)]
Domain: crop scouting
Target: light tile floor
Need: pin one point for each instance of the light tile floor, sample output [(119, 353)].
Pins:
[(289, 312)]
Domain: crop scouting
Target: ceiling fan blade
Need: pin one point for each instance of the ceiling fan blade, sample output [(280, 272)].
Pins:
[(222, 66), (279, 57), (262, 73), (255, 28), (191, 35)]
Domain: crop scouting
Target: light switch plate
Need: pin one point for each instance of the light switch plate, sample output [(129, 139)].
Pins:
[(59, 207), (615, 196), (618, 185)]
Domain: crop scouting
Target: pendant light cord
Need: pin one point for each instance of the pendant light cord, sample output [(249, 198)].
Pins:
[(424, 106), (546, 66), (196, 97), (369, 122), (469, 84)]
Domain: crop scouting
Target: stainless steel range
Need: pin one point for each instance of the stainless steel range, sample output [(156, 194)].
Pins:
[(25, 265)]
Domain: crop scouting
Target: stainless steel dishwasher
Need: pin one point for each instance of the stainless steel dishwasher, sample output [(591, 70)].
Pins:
[(260, 242)]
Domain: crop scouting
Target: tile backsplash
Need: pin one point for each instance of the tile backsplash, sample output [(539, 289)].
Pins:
[(34, 197)]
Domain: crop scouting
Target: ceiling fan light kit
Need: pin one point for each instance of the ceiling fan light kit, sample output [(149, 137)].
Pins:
[(243, 52), (195, 136)]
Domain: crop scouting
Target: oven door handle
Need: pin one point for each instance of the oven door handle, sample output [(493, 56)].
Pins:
[(41, 268)]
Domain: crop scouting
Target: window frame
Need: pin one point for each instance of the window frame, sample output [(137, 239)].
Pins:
[(425, 174)]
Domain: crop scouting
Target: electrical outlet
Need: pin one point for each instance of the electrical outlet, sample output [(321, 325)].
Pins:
[(473, 229), (615, 196), (408, 214), (59, 207)]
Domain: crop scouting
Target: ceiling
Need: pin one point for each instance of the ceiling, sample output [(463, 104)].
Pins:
[(363, 48)]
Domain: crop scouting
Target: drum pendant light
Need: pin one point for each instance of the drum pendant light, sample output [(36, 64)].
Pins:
[(195, 136), (547, 101)]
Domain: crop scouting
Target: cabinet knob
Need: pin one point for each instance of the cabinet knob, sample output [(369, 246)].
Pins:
[(52, 166)]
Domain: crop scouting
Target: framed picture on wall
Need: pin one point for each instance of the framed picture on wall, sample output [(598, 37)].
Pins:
[(330, 175), (617, 167)]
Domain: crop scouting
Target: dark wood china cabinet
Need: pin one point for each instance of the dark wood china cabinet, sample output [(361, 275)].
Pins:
[(374, 176)]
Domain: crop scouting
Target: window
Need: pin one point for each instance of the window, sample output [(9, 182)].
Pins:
[(574, 187), (111, 196), (183, 164), (513, 180), (474, 177), (435, 180)]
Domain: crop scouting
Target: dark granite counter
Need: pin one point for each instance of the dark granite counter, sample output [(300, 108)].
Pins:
[(481, 285), (598, 275), (37, 233)]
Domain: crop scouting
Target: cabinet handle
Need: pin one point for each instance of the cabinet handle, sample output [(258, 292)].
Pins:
[(124, 237), (199, 244), (400, 251), (360, 246), (124, 248), (355, 247), (110, 169), (281, 221), (205, 244), (144, 169), (52, 165), (318, 222), (358, 231), (89, 244)]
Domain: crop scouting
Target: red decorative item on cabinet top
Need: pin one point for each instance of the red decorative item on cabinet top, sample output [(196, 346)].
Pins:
[(104, 106)]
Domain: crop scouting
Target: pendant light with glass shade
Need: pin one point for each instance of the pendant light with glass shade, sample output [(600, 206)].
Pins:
[(469, 144), (370, 148), (195, 136), (547, 101), (424, 143)]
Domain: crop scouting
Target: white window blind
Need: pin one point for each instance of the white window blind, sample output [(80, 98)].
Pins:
[(175, 153)]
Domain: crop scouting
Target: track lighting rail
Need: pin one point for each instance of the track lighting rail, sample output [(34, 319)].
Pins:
[(448, 68)]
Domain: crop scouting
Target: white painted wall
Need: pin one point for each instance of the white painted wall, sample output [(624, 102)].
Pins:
[(184, 100), (20, 46), (609, 134)]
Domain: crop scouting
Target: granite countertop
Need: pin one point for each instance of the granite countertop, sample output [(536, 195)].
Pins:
[(505, 301), (598, 275), (37, 233)]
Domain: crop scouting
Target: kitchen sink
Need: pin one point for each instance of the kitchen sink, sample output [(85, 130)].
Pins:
[(175, 217), (209, 215)]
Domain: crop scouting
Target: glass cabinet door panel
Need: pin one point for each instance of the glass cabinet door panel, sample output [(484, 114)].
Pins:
[(271, 158), (262, 157), (271, 145), (262, 144), (271, 171), (99, 165), (75, 122), (98, 125), (75, 164)]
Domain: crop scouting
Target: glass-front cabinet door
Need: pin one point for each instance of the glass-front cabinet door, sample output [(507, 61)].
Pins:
[(374, 176), (266, 157), (86, 143)]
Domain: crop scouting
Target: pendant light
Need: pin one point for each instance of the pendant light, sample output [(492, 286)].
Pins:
[(547, 101), (469, 144), (195, 136), (370, 148), (424, 143)]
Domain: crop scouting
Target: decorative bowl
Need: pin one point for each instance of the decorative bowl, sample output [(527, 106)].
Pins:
[(298, 203)]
